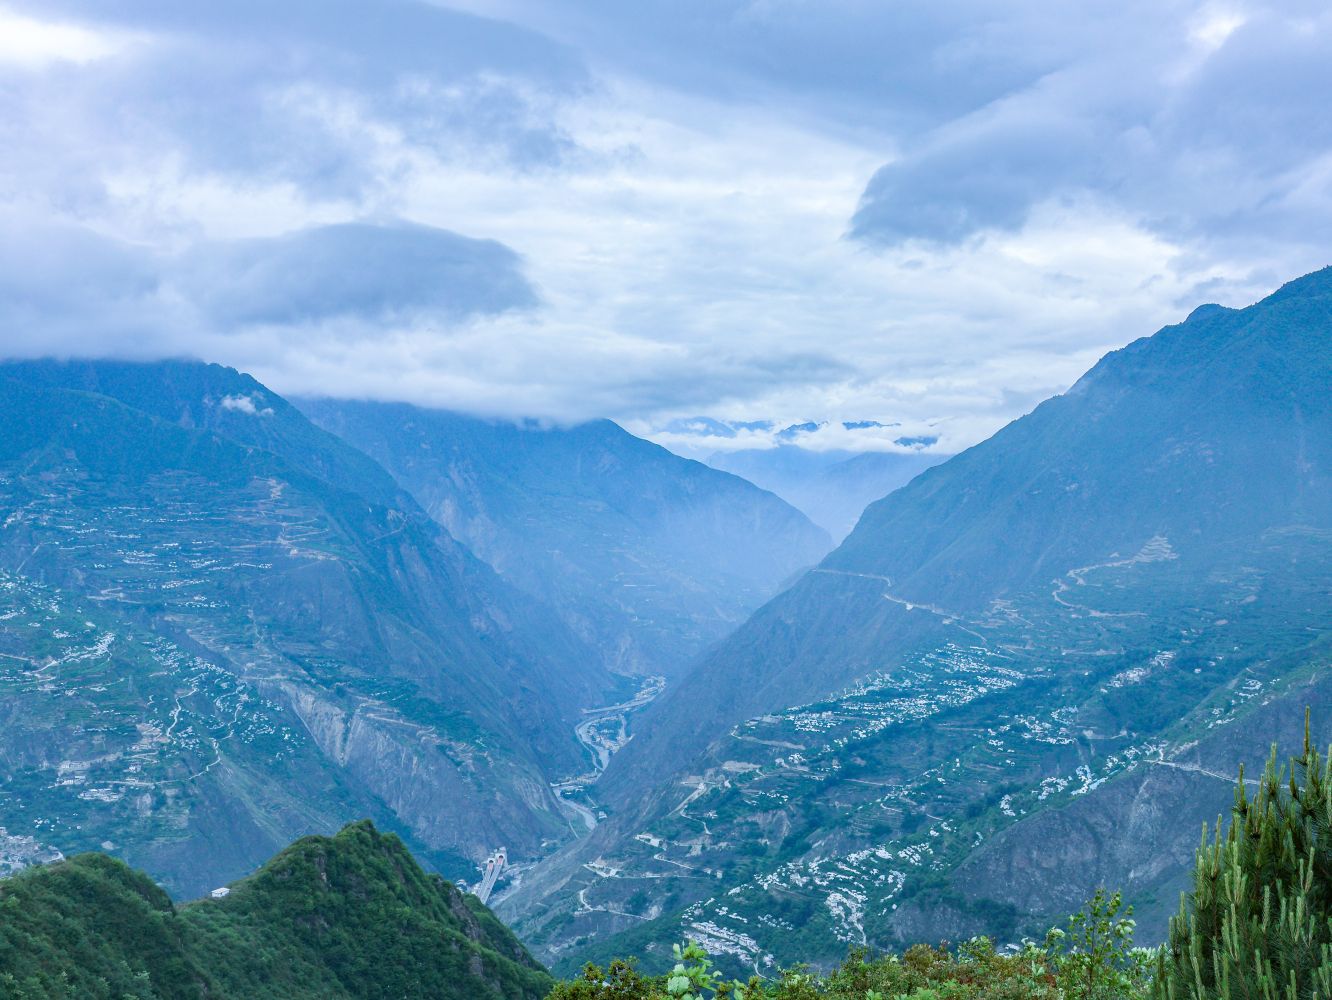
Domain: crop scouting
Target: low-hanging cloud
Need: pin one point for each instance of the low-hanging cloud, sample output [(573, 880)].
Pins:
[(376, 273), (924, 214), (84, 293), (251, 405)]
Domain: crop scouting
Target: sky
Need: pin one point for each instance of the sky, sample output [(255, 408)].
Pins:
[(916, 218)]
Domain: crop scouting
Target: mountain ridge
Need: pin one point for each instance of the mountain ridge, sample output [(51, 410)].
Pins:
[(833, 488), (1132, 571), (351, 915), (187, 598), (648, 556)]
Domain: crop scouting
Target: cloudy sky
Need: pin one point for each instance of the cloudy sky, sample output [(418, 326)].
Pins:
[(930, 215)]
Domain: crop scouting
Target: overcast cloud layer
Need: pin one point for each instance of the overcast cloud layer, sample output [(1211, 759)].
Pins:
[(927, 215)]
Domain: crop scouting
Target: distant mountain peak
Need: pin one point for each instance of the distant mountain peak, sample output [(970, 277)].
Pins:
[(796, 430), (1206, 311)]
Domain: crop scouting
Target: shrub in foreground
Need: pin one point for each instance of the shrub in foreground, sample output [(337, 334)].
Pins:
[(1093, 960), (1260, 923)]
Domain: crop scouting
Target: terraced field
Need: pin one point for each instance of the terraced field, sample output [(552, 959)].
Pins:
[(859, 818), (211, 650)]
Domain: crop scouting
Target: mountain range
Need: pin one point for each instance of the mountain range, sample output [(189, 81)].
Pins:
[(1021, 676), (223, 627), (227, 621), (647, 556)]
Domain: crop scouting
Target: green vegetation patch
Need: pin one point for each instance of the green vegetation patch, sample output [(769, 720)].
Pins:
[(351, 916)]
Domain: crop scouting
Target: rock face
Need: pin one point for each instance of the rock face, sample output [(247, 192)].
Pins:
[(1033, 669), (647, 556), (328, 918), (1131, 832), (222, 628)]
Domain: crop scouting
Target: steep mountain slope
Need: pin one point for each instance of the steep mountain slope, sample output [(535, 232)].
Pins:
[(1207, 434), (1068, 635), (222, 400), (350, 916), (215, 640), (832, 487), (649, 557)]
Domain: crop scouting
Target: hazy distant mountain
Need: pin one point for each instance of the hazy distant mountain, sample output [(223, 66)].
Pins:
[(329, 918), (222, 627), (1031, 671), (648, 556), (832, 487)]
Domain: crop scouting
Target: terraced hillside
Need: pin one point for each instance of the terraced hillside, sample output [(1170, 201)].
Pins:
[(224, 630), (1032, 671)]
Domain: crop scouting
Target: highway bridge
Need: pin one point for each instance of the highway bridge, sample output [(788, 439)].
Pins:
[(494, 866)]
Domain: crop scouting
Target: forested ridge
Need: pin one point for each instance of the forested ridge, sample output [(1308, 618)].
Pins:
[(334, 918)]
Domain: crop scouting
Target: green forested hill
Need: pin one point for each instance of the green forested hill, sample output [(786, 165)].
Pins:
[(330, 917)]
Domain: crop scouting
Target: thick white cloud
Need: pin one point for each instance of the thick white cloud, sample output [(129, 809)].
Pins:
[(29, 42), (930, 215)]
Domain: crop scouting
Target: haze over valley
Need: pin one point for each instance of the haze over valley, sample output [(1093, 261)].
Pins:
[(755, 489)]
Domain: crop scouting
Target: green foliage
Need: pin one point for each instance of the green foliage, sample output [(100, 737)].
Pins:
[(1260, 920), (973, 971), (618, 981), (1094, 960), (92, 927), (692, 975), (691, 978), (351, 916)]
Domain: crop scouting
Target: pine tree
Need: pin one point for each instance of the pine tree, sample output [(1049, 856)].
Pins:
[(1260, 923)]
